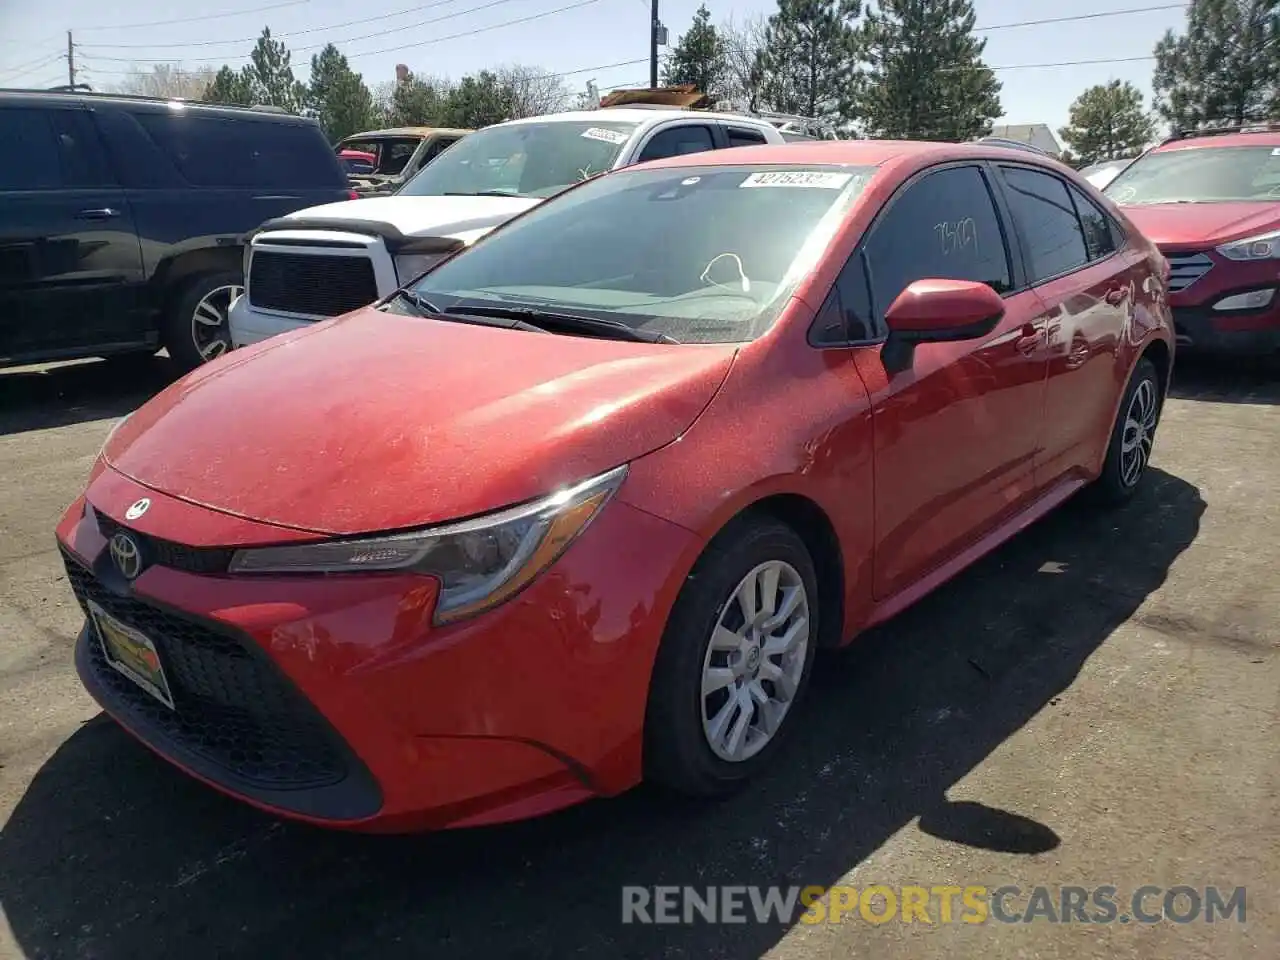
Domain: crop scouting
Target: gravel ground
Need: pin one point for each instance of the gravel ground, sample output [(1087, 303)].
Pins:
[(1094, 704)]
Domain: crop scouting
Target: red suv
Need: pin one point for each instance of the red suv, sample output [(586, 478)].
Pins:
[(1210, 200), (578, 505)]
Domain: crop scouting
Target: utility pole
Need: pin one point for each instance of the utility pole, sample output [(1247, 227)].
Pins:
[(654, 26), (71, 60)]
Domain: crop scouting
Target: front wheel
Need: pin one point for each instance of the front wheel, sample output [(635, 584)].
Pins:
[(197, 326), (1132, 437), (734, 661)]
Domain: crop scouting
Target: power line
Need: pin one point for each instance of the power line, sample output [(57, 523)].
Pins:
[(43, 64), (440, 3), (1081, 16), (403, 46), (290, 33), (207, 16)]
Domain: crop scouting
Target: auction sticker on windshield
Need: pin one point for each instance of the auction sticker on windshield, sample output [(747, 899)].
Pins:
[(798, 178), (608, 136)]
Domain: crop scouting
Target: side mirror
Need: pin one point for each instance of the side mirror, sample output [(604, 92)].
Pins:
[(936, 311)]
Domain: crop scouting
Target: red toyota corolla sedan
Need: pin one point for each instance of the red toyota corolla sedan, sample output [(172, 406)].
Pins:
[(578, 506)]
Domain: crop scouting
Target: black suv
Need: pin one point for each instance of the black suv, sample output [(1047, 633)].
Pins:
[(122, 218)]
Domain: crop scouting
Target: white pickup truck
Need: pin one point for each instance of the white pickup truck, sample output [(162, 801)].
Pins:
[(324, 261)]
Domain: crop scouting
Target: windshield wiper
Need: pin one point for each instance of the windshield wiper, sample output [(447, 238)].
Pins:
[(509, 194), (541, 319), (421, 304)]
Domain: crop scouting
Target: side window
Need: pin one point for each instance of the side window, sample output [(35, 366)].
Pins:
[(943, 226), (79, 150), (29, 157), (676, 141), (846, 314), (1099, 231), (223, 152), (1047, 220), (742, 137)]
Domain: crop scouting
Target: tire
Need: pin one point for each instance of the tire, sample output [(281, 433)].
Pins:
[(1142, 404), (192, 341), (678, 751)]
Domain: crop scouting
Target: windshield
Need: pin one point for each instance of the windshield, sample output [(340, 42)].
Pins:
[(523, 159), (1200, 175), (391, 153), (698, 254)]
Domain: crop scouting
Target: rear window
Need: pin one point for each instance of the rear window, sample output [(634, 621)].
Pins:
[(224, 152)]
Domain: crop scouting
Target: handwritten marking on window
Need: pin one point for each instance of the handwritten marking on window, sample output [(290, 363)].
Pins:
[(957, 235)]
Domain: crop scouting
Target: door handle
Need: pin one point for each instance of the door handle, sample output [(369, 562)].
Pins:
[(99, 213), (1029, 338)]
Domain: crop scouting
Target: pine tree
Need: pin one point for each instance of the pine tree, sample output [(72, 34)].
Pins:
[(338, 95), (271, 77), (927, 79), (230, 87), (1107, 122), (417, 103), (699, 57), (809, 62), (1224, 69), (478, 101)]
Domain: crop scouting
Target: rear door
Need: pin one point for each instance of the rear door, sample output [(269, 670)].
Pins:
[(70, 265), (955, 433), (1086, 278), (678, 139)]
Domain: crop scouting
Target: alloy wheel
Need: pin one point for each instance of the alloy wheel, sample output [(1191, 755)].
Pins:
[(210, 326), (1139, 432), (755, 661)]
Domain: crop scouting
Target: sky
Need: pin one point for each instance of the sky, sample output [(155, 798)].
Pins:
[(601, 40)]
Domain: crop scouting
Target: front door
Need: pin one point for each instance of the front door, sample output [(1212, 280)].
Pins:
[(71, 276), (956, 433)]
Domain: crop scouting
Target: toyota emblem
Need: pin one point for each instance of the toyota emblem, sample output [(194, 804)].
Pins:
[(138, 509), (126, 555)]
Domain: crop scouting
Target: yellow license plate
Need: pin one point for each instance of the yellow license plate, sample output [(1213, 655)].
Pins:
[(132, 654)]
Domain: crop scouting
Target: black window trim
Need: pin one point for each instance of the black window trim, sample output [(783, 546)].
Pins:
[(1013, 252), (1117, 231)]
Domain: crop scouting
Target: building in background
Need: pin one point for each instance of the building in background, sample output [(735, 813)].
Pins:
[(1036, 134)]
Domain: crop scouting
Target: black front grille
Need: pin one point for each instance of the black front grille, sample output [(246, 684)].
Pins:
[(1186, 268), (318, 285), (166, 553), (238, 720)]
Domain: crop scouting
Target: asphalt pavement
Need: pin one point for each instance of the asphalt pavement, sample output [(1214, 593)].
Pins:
[(1094, 704)]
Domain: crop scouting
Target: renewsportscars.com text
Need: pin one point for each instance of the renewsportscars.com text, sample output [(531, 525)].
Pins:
[(878, 903)]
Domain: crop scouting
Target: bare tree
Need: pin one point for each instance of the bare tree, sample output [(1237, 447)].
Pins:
[(743, 44), (532, 90), (168, 80)]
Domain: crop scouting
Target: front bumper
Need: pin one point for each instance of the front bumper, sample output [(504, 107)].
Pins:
[(248, 325), (335, 700), (1202, 329)]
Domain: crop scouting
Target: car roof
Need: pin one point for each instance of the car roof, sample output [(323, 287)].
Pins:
[(151, 104), (405, 132), (640, 115), (869, 153), (1260, 138)]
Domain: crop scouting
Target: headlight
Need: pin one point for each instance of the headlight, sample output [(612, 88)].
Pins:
[(1265, 246), (479, 562), (1253, 300), (410, 266)]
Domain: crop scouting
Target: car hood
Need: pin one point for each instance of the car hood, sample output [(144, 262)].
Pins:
[(462, 218), (375, 421), (1200, 225)]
